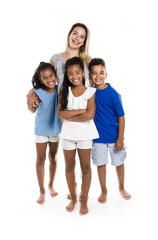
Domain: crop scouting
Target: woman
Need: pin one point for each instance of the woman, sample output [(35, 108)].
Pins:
[(77, 46)]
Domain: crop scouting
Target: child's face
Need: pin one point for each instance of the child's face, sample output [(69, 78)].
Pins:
[(98, 75), (48, 78), (77, 37), (75, 75)]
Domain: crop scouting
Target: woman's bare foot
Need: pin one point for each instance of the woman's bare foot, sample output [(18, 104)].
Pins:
[(83, 208), (103, 197), (53, 193), (125, 194), (70, 207), (41, 198)]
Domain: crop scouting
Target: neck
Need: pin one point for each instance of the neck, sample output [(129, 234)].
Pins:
[(73, 52), (102, 86), (50, 90)]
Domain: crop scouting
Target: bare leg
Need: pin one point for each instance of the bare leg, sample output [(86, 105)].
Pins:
[(84, 156), (69, 195), (70, 177), (53, 149), (41, 156), (102, 179), (120, 175)]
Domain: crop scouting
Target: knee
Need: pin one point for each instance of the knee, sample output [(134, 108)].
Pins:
[(70, 167), (41, 160), (86, 169), (52, 157)]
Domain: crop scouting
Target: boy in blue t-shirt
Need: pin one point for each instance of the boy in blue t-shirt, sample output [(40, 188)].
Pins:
[(110, 123)]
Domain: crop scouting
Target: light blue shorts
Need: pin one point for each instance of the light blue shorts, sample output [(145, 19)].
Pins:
[(100, 154)]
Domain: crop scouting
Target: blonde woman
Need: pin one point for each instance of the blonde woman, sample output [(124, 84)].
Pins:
[(77, 46)]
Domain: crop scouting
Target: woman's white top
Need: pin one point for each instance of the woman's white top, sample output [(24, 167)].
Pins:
[(79, 130)]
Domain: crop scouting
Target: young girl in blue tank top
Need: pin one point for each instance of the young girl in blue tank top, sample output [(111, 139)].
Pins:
[(47, 124)]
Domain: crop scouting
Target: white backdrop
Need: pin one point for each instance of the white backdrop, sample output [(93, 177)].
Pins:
[(125, 35)]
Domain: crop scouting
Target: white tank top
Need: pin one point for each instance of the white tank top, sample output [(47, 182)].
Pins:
[(79, 130)]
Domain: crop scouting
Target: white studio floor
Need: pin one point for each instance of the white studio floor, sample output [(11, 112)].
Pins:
[(23, 218)]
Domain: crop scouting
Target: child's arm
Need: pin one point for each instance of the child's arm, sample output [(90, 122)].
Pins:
[(66, 114), (121, 127), (88, 114), (32, 101)]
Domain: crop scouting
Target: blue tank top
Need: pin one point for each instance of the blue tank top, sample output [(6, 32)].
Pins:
[(47, 122)]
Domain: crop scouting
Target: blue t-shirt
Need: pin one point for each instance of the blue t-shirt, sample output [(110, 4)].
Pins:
[(108, 109), (47, 122)]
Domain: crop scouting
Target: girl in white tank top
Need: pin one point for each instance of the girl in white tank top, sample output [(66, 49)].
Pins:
[(77, 108)]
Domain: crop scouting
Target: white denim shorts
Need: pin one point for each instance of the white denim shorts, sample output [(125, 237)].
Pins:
[(76, 144), (42, 139), (100, 154)]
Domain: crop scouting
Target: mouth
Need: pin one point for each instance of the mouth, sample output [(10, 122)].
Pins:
[(98, 81), (75, 42), (51, 83), (75, 80)]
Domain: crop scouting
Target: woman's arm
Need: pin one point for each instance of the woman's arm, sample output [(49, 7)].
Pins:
[(32, 101), (88, 114)]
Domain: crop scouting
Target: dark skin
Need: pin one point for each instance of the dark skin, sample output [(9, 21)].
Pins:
[(84, 154), (32, 101)]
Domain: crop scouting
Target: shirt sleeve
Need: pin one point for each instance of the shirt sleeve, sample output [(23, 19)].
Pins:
[(118, 107), (39, 93), (55, 59), (89, 93)]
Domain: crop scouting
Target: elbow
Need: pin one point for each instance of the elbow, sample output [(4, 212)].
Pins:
[(91, 115), (60, 114)]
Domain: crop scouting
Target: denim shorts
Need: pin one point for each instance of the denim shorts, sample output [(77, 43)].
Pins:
[(42, 139), (100, 154)]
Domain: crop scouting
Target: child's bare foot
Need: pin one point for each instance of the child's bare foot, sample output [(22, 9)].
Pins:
[(83, 208), (69, 196), (70, 207), (53, 193), (103, 197), (41, 198), (125, 194)]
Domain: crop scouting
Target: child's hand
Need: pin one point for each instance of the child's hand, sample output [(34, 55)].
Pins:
[(119, 144)]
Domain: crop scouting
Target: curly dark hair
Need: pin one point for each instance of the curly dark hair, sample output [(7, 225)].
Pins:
[(96, 61), (66, 83), (36, 79)]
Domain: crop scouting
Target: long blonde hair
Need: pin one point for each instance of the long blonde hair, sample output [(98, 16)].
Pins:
[(84, 49)]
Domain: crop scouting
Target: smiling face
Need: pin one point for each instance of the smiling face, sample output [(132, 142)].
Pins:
[(48, 78), (75, 75), (98, 75), (77, 37)]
